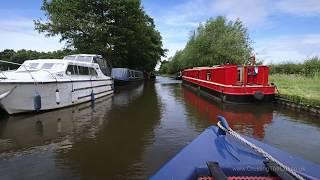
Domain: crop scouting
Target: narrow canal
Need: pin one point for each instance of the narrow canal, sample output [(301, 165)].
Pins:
[(131, 134)]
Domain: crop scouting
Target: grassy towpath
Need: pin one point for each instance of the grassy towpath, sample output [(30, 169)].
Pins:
[(298, 88)]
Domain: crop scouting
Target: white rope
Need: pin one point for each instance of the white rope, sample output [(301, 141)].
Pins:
[(261, 151)]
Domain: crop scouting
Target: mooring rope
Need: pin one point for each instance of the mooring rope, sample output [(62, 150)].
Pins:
[(259, 150)]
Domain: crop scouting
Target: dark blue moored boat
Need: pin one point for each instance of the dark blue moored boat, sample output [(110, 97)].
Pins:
[(125, 76), (221, 153)]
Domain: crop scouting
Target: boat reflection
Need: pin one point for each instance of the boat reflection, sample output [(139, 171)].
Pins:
[(120, 145), (248, 119), (29, 130), (128, 94)]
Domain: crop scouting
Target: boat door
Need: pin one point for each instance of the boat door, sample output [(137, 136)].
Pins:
[(240, 74), (72, 70)]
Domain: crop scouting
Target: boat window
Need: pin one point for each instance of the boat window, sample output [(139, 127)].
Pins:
[(93, 72), (32, 66), (70, 57), (84, 58), (240, 74), (58, 66), (208, 75), (104, 66), (256, 70), (79, 58), (47, 66), (28, 66), (72, 70), (83, 70)]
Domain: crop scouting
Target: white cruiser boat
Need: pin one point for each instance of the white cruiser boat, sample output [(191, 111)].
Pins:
[(46, 84)]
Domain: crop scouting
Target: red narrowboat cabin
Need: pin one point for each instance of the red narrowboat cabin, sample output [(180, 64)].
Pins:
[(232, 83)]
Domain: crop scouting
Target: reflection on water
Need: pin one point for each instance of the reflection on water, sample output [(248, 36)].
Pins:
[(248, 119), (28, 130), (120, 146), (131, 134)]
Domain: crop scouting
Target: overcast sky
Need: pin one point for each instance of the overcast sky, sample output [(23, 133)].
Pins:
[(282, 30)]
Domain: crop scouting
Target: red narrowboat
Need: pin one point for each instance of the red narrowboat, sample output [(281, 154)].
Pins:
[(232, 83)]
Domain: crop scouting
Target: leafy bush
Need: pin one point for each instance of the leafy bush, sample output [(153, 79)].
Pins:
[(310, 67)]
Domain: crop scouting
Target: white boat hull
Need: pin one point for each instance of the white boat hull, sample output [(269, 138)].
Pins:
[(18, 97)]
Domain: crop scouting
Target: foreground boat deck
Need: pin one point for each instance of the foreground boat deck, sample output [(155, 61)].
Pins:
[(233, 157)]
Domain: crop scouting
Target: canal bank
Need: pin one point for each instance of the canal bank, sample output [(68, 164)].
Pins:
[(130, 135)]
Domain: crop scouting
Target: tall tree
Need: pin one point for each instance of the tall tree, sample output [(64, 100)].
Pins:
[(118, 29), (218, 41)]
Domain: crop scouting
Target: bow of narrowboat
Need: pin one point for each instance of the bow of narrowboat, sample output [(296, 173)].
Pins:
[(232, 83), (215, 156)]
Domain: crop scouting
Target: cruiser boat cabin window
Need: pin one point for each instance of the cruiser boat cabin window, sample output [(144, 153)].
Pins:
[(87, 59), (103, 64), (54, 66), (47, 66), (81, 70), (28, 67)]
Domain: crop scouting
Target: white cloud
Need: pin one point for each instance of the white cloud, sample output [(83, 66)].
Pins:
[(176, 22), (295, 48), (173, 47), (300, 7), (253, 13), (19, 33)]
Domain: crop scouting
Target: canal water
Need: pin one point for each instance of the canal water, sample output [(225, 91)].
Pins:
[(131, 134)]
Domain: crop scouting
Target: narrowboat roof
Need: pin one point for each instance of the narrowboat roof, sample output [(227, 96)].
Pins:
[(220, 66)]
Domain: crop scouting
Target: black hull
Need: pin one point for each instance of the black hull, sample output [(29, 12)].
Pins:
[(118, 83), (227, 98)]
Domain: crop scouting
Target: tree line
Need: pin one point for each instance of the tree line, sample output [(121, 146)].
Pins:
[(217, 41), (21, 55), (310, 67), (120, 30)]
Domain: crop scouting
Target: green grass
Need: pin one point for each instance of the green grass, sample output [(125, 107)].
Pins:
[(298, 88)]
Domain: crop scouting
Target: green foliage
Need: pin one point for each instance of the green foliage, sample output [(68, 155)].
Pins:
[(287, 68), (218, 41), (310, 67), (21, 55), (120, 30), (163, 67)]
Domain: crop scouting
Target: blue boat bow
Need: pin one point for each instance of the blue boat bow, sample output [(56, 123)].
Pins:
[(233, 157)]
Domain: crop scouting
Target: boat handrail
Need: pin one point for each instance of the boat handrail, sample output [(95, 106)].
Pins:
[(20, 65), (4, 76), (224, 128)]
